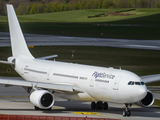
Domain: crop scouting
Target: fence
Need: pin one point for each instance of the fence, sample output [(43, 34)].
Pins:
[(29, 117)]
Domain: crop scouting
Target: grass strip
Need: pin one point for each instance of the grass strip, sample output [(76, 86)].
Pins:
[(144, 24), (89, 30), (156, 102)]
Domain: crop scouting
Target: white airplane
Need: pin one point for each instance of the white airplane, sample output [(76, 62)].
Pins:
[(45, 79)]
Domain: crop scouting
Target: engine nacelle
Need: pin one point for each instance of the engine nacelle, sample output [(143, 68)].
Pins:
[(147, 101), (42, 99)]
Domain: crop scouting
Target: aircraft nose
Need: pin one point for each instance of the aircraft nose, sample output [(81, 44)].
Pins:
[(142, 91), (139, 93)]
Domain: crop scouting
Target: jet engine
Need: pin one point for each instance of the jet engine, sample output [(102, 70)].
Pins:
[(147, 101), (42, 99)]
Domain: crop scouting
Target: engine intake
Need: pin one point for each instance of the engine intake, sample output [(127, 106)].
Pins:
[(42, 99), (147, 101)]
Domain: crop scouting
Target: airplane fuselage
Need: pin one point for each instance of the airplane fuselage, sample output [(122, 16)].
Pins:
[(98, 83)]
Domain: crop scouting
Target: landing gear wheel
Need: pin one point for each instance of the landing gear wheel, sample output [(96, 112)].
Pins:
[(36, 108), (124, 113), (105, 106), (99, 105), (93, 105), (127, 112)]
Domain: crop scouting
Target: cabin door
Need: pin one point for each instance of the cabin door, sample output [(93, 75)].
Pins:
[(49, 74), (91, 82), (116, 83)]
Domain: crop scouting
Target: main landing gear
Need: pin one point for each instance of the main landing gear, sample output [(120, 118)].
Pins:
[(127, 112), (99, 105)]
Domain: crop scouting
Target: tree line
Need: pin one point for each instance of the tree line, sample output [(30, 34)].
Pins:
[(2, 6), (39, 6)]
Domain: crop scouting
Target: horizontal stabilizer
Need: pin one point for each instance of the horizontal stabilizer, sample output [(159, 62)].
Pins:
[(47, 57), (6, 62)]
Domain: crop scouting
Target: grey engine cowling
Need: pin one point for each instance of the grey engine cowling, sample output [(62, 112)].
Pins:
[(147, 101), (42, 99)]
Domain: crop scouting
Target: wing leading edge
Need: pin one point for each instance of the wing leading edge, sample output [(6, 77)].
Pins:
[(151, 78), (47, 57), (56, 87)]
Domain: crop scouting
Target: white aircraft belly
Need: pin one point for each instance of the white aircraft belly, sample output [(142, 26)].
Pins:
[(78, 96)]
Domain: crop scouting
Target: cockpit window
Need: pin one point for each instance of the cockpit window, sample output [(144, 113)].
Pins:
[(135, 83), (142, 83), (130, 83)]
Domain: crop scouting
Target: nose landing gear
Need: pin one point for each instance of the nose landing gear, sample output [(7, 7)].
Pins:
[(127, 112)]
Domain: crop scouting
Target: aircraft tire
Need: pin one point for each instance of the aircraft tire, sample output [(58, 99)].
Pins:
[(99, 105), (128, 113), (93, 105), (105, 106), (36, 108), (124, 113)]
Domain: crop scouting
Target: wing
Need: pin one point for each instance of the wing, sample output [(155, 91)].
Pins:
[(151, 78), (14, 81), (47, 57)]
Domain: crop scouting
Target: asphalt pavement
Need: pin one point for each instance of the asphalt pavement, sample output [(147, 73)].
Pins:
[(38, 39)]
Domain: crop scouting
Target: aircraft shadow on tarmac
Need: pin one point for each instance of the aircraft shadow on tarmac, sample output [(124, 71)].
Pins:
[(77, 106)]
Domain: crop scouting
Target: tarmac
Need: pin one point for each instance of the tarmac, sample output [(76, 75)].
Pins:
[(14, 100), (38, 39)]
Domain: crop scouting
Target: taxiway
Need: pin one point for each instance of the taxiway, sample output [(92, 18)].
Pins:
[(14, 100), (38, 39)]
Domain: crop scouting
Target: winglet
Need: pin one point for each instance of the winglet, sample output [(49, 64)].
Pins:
[(18, 43)]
